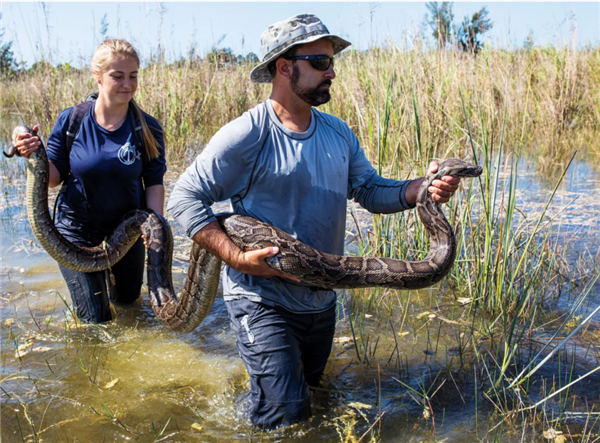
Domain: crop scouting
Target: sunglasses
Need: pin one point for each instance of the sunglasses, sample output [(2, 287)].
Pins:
[(320, 62)]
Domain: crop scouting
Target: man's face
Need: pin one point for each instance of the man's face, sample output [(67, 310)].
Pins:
[(308, 83)]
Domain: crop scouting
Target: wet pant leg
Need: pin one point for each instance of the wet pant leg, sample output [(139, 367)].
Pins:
[(89, 290), (129, 275), (317, 344), (89, 294), (281, 350)]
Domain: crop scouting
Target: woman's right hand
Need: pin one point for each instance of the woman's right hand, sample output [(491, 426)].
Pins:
[(27, 143)]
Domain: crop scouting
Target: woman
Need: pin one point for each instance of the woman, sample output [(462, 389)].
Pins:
[(106, 174)]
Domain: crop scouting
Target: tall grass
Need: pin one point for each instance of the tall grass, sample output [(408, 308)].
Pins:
[(549, 98)]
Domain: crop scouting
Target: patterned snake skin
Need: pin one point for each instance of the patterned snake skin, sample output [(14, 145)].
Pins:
[(184, 313)]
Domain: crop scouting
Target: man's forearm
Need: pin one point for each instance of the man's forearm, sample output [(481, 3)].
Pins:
[(212, 238)]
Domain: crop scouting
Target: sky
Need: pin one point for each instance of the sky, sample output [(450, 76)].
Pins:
[(68, 32)]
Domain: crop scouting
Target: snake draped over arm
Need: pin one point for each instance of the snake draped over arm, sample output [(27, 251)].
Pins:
[(185, 312)]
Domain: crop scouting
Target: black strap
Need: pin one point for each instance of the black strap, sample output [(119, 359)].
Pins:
[(76, 117), (75, 120), (63, 190)]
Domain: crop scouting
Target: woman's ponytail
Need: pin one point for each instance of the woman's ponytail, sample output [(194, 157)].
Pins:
[(150, 143)]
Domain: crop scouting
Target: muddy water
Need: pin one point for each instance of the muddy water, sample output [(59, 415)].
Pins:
[(132, 380)]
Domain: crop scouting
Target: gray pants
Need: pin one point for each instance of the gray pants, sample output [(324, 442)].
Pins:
[(283, 352)]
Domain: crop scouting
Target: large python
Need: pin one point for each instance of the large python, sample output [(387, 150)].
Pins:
[(185, 312)]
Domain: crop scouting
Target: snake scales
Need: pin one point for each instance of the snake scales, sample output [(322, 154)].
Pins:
[(183, 313)]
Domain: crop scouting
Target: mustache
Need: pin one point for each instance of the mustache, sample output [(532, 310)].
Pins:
[(325, 82)]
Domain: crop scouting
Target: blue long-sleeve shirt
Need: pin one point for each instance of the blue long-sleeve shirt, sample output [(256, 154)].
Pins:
[(298, 182)]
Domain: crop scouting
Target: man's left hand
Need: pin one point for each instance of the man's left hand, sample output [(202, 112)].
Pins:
[(442, 190)]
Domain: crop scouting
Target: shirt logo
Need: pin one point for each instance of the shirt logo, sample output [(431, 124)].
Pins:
[(128, 154)]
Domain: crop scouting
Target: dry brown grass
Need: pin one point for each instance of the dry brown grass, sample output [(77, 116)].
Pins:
[(402, 104)]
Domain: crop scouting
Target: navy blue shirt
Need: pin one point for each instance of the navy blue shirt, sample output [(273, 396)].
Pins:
[(105, 173)]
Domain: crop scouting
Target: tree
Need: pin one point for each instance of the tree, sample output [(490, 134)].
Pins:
[(222, 57), (529, 42), (471, 29), (7, 60), (441, 21), (40, 66), (251, 58)]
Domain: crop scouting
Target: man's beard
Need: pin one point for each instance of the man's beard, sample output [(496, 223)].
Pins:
[(312, 96)]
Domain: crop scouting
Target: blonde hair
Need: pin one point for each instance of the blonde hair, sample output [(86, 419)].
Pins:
[(109, 51)]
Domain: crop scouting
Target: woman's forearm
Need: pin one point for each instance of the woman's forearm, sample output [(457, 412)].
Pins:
[(155, 198), (54, 179)]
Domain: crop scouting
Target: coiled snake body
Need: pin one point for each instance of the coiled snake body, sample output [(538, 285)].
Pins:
[(185, 312)]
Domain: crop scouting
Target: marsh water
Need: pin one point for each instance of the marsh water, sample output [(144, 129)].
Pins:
[(133, 380)]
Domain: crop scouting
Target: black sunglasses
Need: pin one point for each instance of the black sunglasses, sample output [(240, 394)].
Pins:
[(320, 62)]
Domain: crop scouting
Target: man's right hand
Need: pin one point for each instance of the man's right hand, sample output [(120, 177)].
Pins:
[(254, 263)]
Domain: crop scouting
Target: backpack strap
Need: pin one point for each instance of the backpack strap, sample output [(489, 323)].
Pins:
[(75, 119)]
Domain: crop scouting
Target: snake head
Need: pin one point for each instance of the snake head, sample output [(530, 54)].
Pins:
[(21, 129), (11, 152), (455, 167)]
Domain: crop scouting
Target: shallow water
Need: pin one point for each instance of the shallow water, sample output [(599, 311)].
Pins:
[(132, 379)]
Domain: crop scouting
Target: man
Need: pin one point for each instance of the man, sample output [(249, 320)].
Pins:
[(287, 164)]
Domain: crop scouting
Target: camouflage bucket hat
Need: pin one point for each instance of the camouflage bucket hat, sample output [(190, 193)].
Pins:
[(281, 36)]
